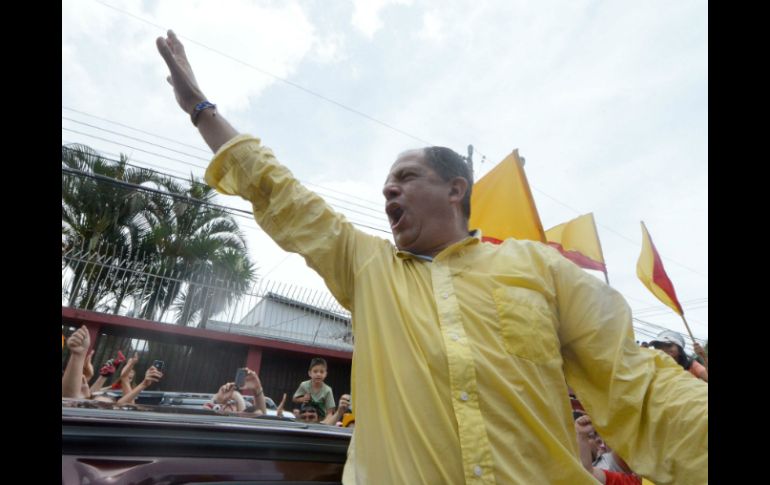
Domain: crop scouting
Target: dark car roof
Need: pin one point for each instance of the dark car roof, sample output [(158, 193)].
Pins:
[(151, 441), (180, 398)]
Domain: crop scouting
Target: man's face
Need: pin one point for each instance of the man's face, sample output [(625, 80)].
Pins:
[(670, 349), (317, 373), (308, 415), (417, 202)]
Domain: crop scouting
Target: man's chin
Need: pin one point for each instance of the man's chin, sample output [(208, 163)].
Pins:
[(403, 243)]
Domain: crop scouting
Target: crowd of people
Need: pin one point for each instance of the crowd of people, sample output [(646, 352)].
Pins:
[(314, 399), (315, 403)]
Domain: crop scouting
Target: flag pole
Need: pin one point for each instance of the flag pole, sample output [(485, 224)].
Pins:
[(606, 278), (688, 328)]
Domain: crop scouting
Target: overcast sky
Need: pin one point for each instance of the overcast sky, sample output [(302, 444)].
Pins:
[(607, 101)]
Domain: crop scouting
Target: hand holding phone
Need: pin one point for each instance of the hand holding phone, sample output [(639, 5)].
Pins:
[(240, 378)]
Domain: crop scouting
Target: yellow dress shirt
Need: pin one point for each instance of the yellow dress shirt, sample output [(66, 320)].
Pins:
[(459, 365)]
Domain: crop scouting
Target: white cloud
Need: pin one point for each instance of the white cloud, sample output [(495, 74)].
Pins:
[(432, 27), (366, 14), (330, 48)]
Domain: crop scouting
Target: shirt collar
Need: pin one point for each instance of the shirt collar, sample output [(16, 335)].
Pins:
[(474, 237)]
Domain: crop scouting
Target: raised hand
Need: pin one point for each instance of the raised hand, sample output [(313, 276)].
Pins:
[(124, 373), (583, 425), (344, 404), (186, 89), (252, 381), (225, 392), (279, 409), (79, 341), (151, 376)]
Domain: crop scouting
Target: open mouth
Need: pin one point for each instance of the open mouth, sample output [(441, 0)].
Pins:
[(395, 214)]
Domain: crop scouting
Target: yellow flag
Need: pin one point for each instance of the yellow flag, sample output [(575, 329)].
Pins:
[(650, 271), (502, 205), (578, 241)]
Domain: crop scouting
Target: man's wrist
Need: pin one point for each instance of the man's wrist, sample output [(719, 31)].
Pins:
[(199, 109)]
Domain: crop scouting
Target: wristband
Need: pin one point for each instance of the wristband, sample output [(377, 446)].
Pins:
[(197, 111)]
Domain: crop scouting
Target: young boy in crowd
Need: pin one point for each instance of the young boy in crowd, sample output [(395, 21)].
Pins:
[(314, 390)]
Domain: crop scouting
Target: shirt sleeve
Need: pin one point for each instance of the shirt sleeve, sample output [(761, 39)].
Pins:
[(647, 408), (300, 391), (330, 398), (297, 219)]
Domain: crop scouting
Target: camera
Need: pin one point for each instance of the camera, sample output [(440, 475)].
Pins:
[(158, 364), (240, 378)]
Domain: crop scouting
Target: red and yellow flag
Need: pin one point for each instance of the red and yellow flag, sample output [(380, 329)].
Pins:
[(650, 270), (502, 205), (578, 241)]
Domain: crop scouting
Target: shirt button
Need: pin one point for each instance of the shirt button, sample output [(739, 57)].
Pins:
[(445, 295), (477, 470), (455, 337), (464, 396)]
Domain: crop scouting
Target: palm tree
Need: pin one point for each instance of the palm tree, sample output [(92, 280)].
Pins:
[(100, 217), (200, 244), (174, 235)]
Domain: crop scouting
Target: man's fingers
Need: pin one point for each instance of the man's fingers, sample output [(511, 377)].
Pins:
[(169, 56), (176, 44), (164, 50)]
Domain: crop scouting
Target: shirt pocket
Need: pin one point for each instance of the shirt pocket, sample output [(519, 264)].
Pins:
[(527, 325)]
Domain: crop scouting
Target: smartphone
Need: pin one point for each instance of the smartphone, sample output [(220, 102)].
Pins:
[(240, 378), (158, 364)]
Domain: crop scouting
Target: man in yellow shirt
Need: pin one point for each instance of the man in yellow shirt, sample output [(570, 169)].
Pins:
[(462, 347)]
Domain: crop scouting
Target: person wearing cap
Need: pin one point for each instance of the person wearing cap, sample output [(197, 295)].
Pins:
[(307, 412), (672, 343)]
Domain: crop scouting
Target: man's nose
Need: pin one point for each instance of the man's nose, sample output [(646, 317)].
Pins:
[(390, 191)]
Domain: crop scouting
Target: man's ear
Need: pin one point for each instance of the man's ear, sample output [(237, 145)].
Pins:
[(458, 186)]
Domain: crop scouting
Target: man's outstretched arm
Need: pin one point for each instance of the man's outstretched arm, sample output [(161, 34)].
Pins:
[(214, 129)]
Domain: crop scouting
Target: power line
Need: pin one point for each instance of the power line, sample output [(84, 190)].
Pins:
[(136, 129), (227, 209), (377, 216), (133, 148), (378, 210), (661, 328), (635, 243), (683, 303), (116, 160), (377, 204), (135, 139)]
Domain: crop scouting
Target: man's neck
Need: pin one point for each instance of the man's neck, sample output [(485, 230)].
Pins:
[(458, 236)]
